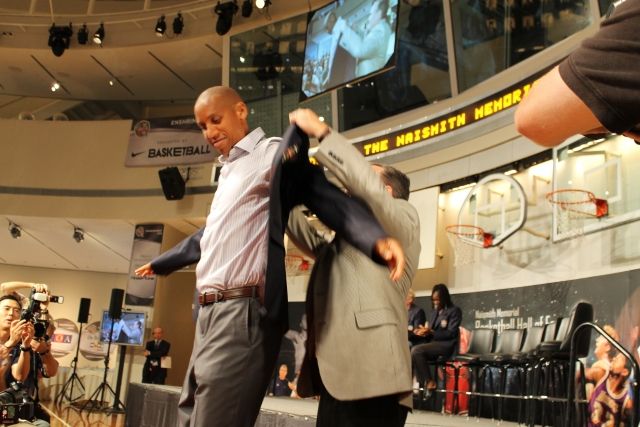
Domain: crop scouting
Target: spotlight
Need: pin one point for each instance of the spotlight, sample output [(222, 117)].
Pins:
[(98, 36), (261, 4), (178, 24), (225, 13), (59, 38), (161, 26), (83, 34), (78, 234), (247, 8), (15, 230)]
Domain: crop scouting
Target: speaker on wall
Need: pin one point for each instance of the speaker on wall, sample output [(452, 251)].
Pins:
[(83, 313), (173, 184), (115, 306)]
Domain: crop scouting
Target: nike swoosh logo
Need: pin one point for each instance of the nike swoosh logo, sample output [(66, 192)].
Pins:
[(137, 154)]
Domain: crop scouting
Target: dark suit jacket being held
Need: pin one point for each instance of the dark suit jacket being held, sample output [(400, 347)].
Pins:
[(293, 182)]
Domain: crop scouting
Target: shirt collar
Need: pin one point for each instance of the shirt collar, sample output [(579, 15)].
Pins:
[(245, 145)]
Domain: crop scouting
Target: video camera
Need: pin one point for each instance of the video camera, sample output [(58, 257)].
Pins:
[(15, 404), (34, 315)]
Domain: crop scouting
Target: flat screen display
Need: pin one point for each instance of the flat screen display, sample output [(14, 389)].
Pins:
[(128, 330), (348, 40)]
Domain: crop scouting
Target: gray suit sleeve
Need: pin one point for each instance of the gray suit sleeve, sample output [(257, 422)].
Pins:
[(398, 217)]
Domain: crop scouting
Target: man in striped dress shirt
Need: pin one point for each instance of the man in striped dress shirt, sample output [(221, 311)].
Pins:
[(239, 327)]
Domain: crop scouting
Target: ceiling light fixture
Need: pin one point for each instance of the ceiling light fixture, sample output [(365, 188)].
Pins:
[(55, 86), (15, 230), (161, 26), (98, 36), (83, 34), (247, 8), (59, 38), (225, 12), (261, 4), (178, 24), (78, 234)]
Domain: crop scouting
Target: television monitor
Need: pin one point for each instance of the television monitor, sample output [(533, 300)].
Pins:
[(128, 330), (347, 41)]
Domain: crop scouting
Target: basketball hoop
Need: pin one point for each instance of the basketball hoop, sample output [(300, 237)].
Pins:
[(295, 265), (573, 207), (464, 238)]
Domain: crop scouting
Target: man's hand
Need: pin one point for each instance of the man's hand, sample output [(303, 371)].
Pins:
[(27, 334), (40, 346), (147, 353), (145, 270), (15, 332), (309, 122), (422, 331), (390, 250)]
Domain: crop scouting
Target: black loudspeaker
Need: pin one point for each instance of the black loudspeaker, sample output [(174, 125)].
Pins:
[(173, 184), (115, 306), (83, 313)]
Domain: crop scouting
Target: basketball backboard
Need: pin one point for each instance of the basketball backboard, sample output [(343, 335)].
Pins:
[(497, 205), (606, 168)]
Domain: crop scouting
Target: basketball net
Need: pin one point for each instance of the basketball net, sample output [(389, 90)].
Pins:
[(461, 236), (573, 208), (295, 265)]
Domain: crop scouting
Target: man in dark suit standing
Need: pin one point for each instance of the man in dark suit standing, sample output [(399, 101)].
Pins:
[(241, 259), (155, 350)]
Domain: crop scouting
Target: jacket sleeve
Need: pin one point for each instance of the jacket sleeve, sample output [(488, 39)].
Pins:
[(350, 218), (398, 217), (183, 254), (452, 331)]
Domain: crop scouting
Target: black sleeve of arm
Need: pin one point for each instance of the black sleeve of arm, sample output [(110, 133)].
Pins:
[(350, 218), (183, 254), (452, 330)]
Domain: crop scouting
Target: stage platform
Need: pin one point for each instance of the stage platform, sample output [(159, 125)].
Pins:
[(155, 406)]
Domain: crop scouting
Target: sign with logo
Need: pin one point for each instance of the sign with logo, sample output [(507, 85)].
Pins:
[(167, 142), (146, 246)]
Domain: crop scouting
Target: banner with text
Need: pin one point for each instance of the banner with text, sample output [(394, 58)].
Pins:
[(146, 246), (167, 142)]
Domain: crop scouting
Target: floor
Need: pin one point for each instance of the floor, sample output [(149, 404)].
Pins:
[(70, 415)]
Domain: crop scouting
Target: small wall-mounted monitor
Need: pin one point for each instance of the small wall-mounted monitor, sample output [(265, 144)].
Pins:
[(128, 330), (348, 40)]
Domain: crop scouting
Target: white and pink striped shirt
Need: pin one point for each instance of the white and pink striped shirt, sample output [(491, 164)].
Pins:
[(234, 243)]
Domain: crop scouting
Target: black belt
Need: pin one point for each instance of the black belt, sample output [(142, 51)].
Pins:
[(207, 298)]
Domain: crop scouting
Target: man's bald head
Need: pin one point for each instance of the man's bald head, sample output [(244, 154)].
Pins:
[(222, 115), (224, 96)]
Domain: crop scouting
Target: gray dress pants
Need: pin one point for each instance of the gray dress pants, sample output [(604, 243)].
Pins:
[(232, 361)]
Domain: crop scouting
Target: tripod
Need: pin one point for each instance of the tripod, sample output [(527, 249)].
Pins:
[(93, 400), (68, 386)]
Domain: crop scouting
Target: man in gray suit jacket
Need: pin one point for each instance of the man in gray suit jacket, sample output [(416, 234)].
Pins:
[(357, 355)]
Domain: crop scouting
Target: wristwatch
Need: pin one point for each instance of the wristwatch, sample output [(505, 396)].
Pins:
[(27, 349)]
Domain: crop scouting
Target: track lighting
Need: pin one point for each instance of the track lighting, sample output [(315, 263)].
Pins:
[(83, 34), (225, 13), (161, 26), (261, 4), (59, 38), (15, 230), (178, 24), (247, 8), (78, 234), (98, 36)]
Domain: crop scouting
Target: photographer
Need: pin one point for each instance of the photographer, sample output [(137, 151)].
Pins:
[(31, 359), (11, 330)]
